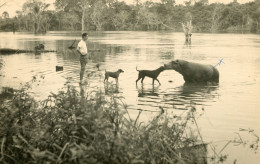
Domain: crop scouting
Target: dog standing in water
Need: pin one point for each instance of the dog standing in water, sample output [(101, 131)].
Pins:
[(152, 74), (114, 75)]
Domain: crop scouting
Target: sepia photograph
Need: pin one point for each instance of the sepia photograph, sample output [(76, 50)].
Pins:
[(129, 81)]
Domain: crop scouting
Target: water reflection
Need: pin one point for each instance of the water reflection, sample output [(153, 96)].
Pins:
[(187, 43), (198, 92), (83, 98), (143, 92), (191, 93), (111, 88)]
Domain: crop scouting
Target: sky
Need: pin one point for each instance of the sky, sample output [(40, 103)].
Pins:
[(12, 5)]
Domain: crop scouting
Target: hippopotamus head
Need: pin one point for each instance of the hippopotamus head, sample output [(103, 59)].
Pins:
[(175, 65)]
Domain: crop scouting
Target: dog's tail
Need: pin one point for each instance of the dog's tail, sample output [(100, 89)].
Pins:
[(105, 70), (137, 69)]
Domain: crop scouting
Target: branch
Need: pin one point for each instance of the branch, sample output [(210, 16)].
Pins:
[(64, 148), (2, 5), (2, 148), (188, 27), (167, 26), (71, 47)]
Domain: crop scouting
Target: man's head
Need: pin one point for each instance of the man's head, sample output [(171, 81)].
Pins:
[(85, 36)]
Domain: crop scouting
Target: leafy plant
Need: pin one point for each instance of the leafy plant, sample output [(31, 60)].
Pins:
[(74, 126)]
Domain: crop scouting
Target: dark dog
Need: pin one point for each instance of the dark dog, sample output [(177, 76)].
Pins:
[(152, 74), (113, 75)]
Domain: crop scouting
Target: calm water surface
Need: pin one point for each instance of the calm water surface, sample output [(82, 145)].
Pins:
[(232, 105)]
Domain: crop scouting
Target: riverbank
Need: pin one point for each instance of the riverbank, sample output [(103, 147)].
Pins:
[(80, 127), (236, 30), (74, 126)]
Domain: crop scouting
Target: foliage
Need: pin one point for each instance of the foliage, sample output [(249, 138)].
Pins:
[(90, 127), (37, 10), (98, 16), (94, 127)]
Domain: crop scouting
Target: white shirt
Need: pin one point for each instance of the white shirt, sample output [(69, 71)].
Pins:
[(82, 47)]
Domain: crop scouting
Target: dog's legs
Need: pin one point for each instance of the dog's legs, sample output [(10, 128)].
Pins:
[(158, 81), (137, 80), (142, 79), (106, 78), (139, 77)]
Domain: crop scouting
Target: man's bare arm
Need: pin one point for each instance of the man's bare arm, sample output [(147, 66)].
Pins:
[(79, 52)]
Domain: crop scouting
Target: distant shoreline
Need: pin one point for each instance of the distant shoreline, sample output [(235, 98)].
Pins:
[(176, 31)]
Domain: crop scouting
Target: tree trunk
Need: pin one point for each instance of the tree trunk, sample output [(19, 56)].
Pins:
[(19, 22), (213, 20), (243, 22), (213, 24), (83, 19), (27, 25), (99, 27), (257, 26), (35, 27), (187, 31), (59, 25), (13, 28), (38, 27)]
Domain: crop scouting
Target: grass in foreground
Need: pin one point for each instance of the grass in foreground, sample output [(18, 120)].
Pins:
[(94, 127)]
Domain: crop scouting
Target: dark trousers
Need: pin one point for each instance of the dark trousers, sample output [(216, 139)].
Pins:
[(83, 62)]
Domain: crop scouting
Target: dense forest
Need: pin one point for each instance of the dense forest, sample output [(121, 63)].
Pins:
[(114, 15)]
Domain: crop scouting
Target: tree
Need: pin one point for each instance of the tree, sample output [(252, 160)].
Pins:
[(46, 19), (36, 9), (79, 5), (216, 16), (256, 16), (150, 15), (169, 3), (120, 15), (187, 28), (148, 18), (120, 20), (1, 5), (19, 19), (97, 16)]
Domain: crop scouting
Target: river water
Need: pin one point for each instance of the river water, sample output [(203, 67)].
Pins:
[(231, 105)]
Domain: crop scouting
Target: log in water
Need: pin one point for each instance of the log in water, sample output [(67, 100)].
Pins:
[(16, 51)]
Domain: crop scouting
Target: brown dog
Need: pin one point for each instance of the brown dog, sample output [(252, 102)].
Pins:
[(152, 74), (114, 75)]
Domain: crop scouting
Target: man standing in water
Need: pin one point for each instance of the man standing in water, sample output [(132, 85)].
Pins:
[(83, 51)]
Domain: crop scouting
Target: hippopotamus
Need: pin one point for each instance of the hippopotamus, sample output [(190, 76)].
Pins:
[(194, 72)]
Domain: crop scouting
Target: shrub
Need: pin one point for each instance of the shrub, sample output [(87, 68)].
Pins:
[(93, 127)]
